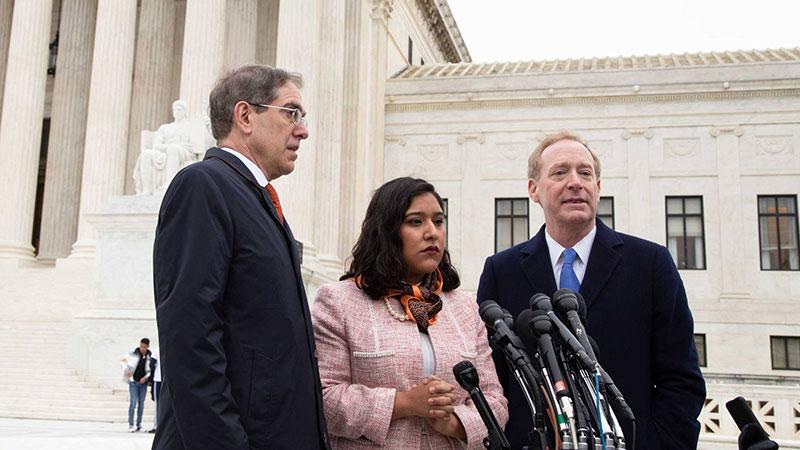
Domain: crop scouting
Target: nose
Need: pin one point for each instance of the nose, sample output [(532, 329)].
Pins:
[(300, 131), (574, 180)]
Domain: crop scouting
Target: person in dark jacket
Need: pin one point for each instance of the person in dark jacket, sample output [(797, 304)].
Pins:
[(637, 307), (239, 360)]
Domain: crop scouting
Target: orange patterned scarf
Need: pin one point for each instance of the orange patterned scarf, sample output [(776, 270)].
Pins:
[(421, 301)]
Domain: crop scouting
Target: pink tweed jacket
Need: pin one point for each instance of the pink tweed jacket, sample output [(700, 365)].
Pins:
[(366, 355)]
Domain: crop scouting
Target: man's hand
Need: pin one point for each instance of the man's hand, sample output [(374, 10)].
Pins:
[(143, 380)]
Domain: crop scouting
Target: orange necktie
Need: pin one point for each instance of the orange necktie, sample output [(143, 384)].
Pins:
[(276, 202)]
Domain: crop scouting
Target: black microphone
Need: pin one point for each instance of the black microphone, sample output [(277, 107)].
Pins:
[(569, 305), (753, 436), (541, 302), (467, 378)]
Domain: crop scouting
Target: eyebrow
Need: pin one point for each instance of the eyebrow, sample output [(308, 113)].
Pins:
[(295, 106), (420, 213)]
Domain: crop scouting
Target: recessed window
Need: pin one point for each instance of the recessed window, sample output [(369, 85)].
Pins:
[(510, 222), (410, 51), (785, 352), (446, 223), (700, 343), (605, 211), (777, 232), (685, 237)]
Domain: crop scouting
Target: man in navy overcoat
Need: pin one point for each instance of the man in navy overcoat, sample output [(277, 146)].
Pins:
[(637, 307), (239, 362)]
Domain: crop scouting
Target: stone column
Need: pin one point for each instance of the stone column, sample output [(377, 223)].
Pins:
[(329, 146), (6, 8), (639, 206), (380, 14), (241, 37), (62, 189), (109, 113), (354, 130), (203, 53), (21, 126), (297, 41), (731, 234), (471, 211), (152, 77), (267, 32)]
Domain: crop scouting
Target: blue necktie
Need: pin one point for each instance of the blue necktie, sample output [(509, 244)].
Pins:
[(568, 278)]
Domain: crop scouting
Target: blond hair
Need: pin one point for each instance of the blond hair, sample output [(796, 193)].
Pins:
[(535, 160)]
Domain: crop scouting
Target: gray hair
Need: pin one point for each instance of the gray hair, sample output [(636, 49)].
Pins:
[(254, 84)]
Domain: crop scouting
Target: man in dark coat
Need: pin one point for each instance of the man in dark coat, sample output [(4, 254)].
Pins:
[(637, 307), (239, 364)]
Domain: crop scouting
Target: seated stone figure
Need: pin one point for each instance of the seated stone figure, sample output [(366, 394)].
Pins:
[(174, 146)]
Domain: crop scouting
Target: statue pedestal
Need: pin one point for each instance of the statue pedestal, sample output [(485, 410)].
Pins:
[(122, 310)]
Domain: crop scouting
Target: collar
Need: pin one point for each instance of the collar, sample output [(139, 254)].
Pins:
[(261, 179), (582, 248)]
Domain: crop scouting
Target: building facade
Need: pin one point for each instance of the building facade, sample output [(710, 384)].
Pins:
[(699, 153)]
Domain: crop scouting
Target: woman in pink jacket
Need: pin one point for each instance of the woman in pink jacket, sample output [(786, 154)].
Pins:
[(389, 333)]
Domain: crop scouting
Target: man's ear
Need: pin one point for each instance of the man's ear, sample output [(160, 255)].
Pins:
[(533, 191), (242, 117)]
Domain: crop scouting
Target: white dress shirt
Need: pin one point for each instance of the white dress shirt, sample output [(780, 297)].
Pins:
[(261, 179), (582, 248)]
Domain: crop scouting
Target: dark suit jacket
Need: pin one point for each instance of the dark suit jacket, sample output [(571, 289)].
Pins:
[(639, 316), (240, 370)]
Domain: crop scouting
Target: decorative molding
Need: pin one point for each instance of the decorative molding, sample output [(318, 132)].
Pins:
[(463, 138), (588, 100), (634, 132), (444, 33), (399, 140), (513, 151), (681, 148), (736, 130), (382, 10), (774, 145)]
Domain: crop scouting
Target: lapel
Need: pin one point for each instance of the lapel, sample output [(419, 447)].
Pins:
[(238, 166), (536, 264), (603, 259)]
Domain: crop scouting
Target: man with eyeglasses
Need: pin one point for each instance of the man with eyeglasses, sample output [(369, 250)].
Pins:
[(240, 370)]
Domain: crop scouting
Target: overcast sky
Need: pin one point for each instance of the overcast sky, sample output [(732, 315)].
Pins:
[(514, 30)]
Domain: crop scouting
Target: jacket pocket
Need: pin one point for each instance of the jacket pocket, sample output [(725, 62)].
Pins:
[(259, 419), (374, 369)]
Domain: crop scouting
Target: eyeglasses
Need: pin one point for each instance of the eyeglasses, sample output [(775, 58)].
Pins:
[(296, 114)]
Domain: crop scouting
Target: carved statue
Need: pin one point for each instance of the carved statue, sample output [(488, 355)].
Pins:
[(166, 151)]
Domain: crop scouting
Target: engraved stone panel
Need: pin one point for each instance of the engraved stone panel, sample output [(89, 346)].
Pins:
[(774, 145), (770, 149), (681, 148), (506, 160)]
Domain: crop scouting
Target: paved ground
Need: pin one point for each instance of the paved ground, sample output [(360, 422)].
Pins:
[(17, 434)]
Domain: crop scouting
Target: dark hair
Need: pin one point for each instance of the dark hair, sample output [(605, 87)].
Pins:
[(253, 83), (145, 341), (378, 253)]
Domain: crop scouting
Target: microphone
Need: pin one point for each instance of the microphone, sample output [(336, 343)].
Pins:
[(467, 378), (753, 436), (568, 304), (541, 302)]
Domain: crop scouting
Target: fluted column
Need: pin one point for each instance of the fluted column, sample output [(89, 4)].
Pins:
[(109, 113), (21, 125), (381, 12), (473, 218), (267, 32), (240, 40), (62, 189), (6, 8), (152, 77), (639, 209), (354, 130), (203, 53), (297, 40), (329, 146), (731, 235)]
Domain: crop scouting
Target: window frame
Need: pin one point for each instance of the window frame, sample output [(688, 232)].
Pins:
[(785, 340), (683, 216), (777, 215), (613, 212), (497, 217)]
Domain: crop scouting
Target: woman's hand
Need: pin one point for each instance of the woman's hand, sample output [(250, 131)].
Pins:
[(441, 417), (431, 399)]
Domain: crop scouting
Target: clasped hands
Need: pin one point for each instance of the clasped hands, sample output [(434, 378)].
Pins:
[(432, 399)]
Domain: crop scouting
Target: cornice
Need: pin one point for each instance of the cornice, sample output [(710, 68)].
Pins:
[(472, 104), (444, 30)]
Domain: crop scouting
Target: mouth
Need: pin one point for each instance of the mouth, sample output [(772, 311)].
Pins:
[(433, 250), (574, 201)]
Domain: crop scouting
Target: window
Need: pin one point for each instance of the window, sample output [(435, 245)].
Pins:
[(410, 51), (785, 352), (685, 238), (700, 343), (605, 211), (446, 223), (510, 222), (777, 232)]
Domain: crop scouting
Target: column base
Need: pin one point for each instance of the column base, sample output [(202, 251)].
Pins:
[(16, 251), (83, 249)]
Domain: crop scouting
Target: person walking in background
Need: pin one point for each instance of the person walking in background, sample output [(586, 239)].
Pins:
[(136, 371), (390, 332), (155, 370)]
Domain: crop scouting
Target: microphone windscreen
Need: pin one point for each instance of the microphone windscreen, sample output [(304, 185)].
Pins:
[(540, 301), (490, 312), (741, 412), (466, 375), (524, 331)]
